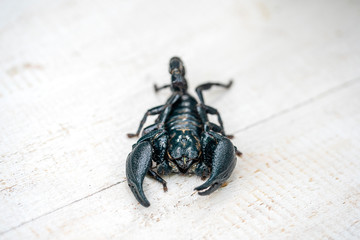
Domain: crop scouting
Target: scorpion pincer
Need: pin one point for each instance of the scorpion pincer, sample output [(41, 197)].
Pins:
[(182, 140)]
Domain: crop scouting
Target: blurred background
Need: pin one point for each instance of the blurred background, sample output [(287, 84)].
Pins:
[(76, 76)]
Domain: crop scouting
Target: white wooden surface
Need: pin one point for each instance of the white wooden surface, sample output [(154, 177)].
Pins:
[(76, 76)]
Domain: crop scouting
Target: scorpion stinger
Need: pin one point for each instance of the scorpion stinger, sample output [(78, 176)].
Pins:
[(182, 140)]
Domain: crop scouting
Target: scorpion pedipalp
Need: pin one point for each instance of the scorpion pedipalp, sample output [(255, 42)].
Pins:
[(138, 163), (223, 161)]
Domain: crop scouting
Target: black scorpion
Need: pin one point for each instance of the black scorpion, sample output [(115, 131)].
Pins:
[(182, 140)]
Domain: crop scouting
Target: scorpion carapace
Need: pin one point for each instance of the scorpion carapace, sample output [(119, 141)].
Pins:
[(182, 140)]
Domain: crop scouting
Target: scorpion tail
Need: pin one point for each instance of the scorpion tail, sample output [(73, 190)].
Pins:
[(223, 163), (138, 163)]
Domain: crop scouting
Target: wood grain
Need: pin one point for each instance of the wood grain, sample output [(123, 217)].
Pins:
[(77, 76)]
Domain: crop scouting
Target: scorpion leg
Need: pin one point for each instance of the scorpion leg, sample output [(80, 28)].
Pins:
[(238, 153), (203, 110), (207, 86), (149, 129), (213, 126), (223, 161), (158, 178), (207, 109), (163, 110), (156, 88), (213, 111), (152, 111)]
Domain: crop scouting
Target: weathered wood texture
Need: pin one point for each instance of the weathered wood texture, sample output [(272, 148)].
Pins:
[(76, 76)]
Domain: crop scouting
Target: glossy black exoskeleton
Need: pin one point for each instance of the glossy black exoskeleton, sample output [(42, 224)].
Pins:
[(182, 140)]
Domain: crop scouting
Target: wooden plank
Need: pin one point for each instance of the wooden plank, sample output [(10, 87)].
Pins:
[(70, 86), (298, 179)]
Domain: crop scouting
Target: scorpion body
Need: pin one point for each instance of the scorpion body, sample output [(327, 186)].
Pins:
[(184, 128), (182, 140)]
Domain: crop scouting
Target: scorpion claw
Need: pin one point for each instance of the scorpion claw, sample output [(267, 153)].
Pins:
[(223, 163), (138, 163), (208, 187), (139, 195)]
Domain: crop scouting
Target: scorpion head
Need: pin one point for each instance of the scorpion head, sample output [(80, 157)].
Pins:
[(184, 150), (177, 71)]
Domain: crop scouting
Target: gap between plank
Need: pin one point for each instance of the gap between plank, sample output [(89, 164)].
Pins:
[(59, 208), (273, 116), (299, 105)]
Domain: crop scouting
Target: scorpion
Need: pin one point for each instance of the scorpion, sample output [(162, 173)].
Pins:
[(182, 140)]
